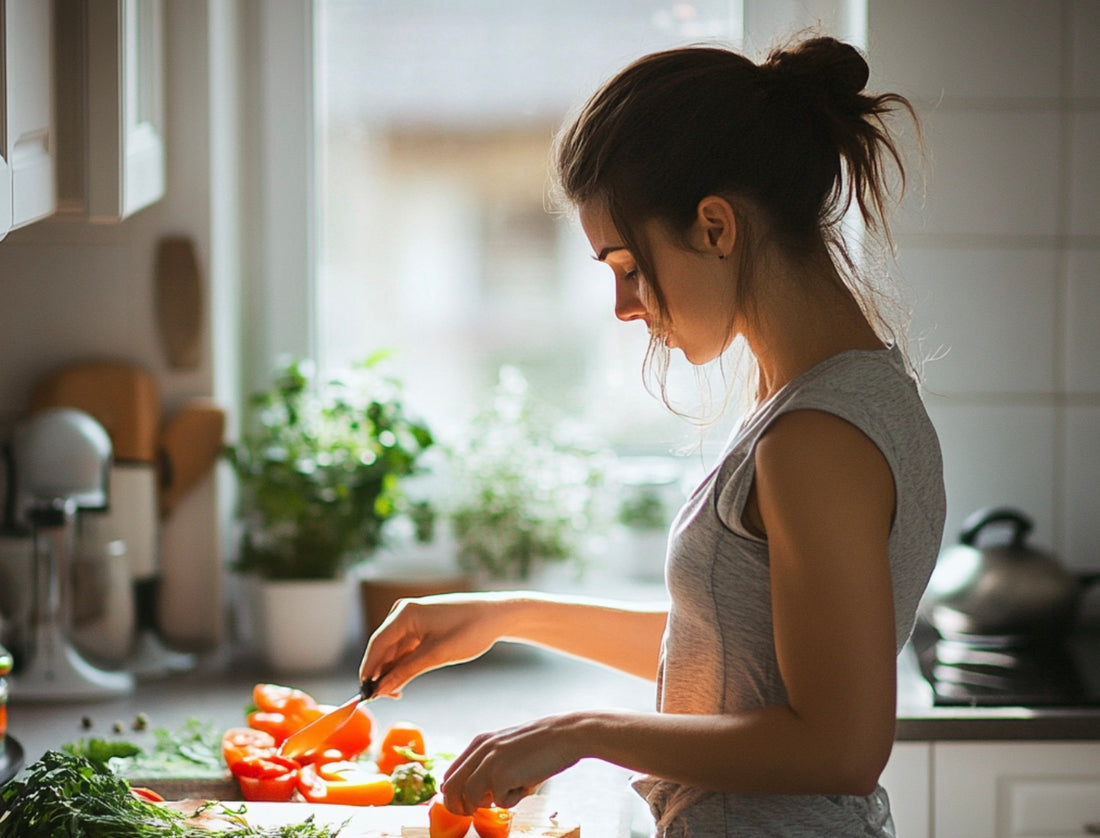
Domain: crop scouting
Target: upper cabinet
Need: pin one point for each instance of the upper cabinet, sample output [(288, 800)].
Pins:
[(110, 115), (27, 128)]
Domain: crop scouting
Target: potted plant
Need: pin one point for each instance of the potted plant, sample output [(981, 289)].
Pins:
[(319, 471), (524, 489), (649, 495)]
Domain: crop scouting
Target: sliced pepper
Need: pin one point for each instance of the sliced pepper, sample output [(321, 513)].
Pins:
[(401, 740), (493, 822), (349, 783), (443, 823), (268, 778)]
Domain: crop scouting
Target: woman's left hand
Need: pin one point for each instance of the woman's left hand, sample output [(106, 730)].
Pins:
[(502, 767)]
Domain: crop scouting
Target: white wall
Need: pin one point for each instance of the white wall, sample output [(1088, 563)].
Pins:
[(1002, 260), (72, 291)]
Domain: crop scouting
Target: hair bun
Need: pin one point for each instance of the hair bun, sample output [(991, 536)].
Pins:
[(821, 64)]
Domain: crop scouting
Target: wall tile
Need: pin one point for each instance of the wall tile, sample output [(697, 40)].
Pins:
[(1082, 495), (966, 49), (988, 173), (1082, 349), (989, 313), (1086, 56), (1084, 213), (997, 455)]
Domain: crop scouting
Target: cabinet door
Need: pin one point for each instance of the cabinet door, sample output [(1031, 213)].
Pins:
[(27, 172), (125, 107), (111, 109), (1016, 790), (907, 779)]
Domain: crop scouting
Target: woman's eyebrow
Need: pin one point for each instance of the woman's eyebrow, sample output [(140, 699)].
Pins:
[(603, 254)]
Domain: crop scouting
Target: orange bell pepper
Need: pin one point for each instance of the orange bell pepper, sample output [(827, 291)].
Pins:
[(349, 783)]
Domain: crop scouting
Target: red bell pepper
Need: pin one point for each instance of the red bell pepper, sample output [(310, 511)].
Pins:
[(269, 778)]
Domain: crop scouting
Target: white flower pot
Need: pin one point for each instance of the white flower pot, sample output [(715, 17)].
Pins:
[(300, 625)]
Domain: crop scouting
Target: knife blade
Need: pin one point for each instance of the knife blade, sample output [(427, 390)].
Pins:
[(316, 733)]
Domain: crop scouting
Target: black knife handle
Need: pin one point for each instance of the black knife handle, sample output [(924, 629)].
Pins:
[(367, 688)]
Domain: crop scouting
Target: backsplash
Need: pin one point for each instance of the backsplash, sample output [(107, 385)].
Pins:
[(1001, 259)]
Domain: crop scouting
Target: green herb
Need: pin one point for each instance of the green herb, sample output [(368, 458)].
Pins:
[(101, 751), (67, 795), (192, 751)]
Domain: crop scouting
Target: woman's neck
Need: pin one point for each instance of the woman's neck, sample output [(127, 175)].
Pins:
[(805, 317)]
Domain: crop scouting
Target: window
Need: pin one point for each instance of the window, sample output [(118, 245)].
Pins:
[(435, 120)]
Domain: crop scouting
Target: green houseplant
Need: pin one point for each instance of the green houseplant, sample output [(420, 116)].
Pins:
[(319, 470), (525, 488)]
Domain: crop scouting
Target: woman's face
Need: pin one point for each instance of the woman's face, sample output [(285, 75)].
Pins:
[(697, 287)]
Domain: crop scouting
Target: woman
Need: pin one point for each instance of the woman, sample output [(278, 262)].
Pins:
[(714, 188)]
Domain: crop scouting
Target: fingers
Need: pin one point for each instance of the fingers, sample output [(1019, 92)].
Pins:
[(493, 770)]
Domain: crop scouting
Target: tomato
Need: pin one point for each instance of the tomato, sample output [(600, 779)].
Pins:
[(238, 742), (148, 795), (349, 783), (356, 734), (443, 823), (268, 778), (401, 736), (274, 698), (493, 822)]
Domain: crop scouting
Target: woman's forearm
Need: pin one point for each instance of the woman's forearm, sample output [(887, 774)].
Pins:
[(622, 636), (766, 751)]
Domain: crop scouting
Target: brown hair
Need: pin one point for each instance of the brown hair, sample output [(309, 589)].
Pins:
[(791, 140)]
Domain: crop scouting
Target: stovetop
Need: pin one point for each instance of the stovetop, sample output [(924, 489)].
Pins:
[(1002, 671)]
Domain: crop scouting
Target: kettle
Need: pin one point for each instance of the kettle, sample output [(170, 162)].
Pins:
[(1008, 589)]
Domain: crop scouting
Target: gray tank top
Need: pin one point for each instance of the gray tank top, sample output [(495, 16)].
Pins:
[(718, 654)]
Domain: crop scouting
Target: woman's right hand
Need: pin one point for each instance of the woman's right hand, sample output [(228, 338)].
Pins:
[(429, 632)]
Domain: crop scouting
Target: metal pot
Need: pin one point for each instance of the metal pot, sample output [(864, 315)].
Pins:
[(1007, 589)]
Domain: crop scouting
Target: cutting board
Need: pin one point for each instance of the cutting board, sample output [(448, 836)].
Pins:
[(122, 397), (535, 817)]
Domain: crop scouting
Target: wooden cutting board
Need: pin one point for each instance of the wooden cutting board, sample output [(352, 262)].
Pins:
[(535, 817), (122, 397)]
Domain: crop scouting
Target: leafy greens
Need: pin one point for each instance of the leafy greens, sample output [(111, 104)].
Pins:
[(69, 796)]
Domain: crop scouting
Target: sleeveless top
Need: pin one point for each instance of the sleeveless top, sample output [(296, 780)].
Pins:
[(718, 652)]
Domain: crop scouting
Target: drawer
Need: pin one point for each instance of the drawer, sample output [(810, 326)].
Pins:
[(1037, 807)]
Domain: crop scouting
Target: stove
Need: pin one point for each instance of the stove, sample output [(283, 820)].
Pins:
[(1009, 670)]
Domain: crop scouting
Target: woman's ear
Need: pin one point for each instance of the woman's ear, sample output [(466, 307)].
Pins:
[(717, 222)]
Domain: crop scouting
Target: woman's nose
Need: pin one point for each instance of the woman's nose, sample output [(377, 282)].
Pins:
[(628, 302)]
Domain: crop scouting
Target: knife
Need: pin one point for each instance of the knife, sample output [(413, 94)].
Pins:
[(317, 732)]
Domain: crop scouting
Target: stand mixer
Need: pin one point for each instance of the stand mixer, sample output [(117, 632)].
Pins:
[(62, 457)]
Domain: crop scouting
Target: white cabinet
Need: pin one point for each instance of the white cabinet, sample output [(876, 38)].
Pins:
[(111, 106), (27, 136), (994, 789), (908, 780), (1016, 789)]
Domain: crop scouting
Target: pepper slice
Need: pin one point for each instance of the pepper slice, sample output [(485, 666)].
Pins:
[(443, 823), (267, 778), (493, 822), (349, 783)]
